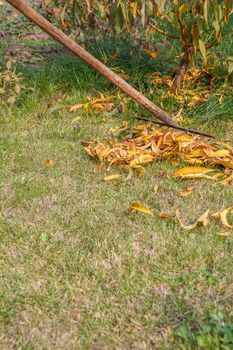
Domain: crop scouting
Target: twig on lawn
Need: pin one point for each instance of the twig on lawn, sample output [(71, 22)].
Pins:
[(177, 127)]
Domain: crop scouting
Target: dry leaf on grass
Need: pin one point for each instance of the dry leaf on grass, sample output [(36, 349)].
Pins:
[(227, 180), (48, 162), (166, 216), (225, 234), (105, 59), (142, 159), (115, 54), (140, 207), (186, 192), (76, 107), (222, 216), (98, 104), (153, 54), (203, 220), (139, 170), (196, 100), (112, 177), (186, 93), (191, 172), (129, 175)]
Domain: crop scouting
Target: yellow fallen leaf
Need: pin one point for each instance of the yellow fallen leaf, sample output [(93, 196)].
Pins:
[(86, 107), (185, 137), (142, 159), (103, 106), (99, 106), (140, 207), (164, 80), (112, 177), (76, 107), (224, 144), (227, 180), (152, 75), (225, 234), (118, 131), (203, 220), (166, 216), (195, 153), (196, 100), (218, 153), (178, 117), (104, 152), (105, 59), (217, 176), (76, 120), (179, 98), (175, 161), (216, 215), (225, 163), (186, 192), (101, 99), (156, 187), (153, 54), (222, 216), (139, 169), (89, 151), (199, 176), (32, 126), (115, 54), (48, 162), (191, 171), (130, 174)]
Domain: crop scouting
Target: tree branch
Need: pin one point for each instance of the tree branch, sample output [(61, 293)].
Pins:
[(215, 41), (153, 26), (177, 127)]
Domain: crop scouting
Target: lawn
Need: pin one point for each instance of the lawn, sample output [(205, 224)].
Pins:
[(78, 271)]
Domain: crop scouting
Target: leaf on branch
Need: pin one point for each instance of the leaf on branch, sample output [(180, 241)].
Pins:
[(203, 50)]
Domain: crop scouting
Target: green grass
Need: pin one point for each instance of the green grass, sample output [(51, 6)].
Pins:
[(77, 270)]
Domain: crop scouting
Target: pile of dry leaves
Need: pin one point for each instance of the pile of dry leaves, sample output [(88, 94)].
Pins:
[(147, 143)]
